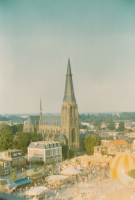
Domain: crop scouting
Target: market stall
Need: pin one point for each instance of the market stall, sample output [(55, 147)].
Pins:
[(70, 171), (55, 181), (36, 192)]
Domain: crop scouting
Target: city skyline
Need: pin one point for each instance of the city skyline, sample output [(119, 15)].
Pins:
[(35, 38)]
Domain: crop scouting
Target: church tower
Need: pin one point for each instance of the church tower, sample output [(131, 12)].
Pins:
[(69, 113), (40, 111)]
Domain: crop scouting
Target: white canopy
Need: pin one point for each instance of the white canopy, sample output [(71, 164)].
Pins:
[(84, 165), (56, 178), (70, 171), (36, 190)]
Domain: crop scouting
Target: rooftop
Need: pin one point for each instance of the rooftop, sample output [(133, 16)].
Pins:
[(119, 141)]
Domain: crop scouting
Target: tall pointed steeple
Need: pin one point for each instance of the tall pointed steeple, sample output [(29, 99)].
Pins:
[(40, 112), (69, 90)]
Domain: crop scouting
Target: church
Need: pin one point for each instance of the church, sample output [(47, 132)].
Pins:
[(64, 126)]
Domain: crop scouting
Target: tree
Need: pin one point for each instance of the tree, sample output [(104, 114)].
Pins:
[(2, 187), (19, 127), (71, 154), (6, 140), (115, 117), (14, 177), (24, 138), (45, 167), (53, 163), (121, 126), (4, 127), (97, 124), (131, 173), (90, 142), (35, 168), (111, 125), (14, 129), (66, 151)]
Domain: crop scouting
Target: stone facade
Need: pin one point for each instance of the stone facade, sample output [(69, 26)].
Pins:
[(45, 151), (52, 125)]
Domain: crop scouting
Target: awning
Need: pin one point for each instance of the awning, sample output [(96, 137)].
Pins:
[(19, 182), (36, 190), (37, 176)]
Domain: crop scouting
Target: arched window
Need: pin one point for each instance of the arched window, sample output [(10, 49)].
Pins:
[(74, 111), (63, 111), (71, 111)]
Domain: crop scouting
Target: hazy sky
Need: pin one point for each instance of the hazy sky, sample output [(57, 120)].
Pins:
[(34, 39)]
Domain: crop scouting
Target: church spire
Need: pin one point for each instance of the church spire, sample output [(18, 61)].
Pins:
[(69, 90), (40, 112)]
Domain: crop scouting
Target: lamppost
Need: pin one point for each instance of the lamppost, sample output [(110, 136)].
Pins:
[(99, 184)]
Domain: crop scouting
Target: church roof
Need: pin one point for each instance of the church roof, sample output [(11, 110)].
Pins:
[(33, 120), (53, 120), (69, 90), (61, 137)]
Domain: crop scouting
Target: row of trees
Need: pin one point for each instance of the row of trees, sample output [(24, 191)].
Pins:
[(13, 137), (21, 140), (110, 125), (104, 116)]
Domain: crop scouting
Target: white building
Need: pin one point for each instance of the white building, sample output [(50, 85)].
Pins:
[(45, 151)]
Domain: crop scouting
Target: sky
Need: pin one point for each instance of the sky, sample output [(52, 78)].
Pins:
[(34, 40)]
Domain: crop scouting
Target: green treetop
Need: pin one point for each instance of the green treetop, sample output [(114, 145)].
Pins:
[(121, 126), (14, 177), (45, 167), (111, 125), (6, 140), (35, 168), (131, 173), (90, 142), (97, 124), (53, 163)]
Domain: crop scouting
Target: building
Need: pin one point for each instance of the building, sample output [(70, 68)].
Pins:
[(100, 150), (45, 151), (5, 167), (115, 146), (15, 157), (52, 125)]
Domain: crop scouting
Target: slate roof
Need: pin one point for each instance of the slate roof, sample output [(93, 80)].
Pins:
[(13, 153), (41, 144), (61, 137), (53, 120), (83, 135), (69, 90), (32, 119), (128, 140)]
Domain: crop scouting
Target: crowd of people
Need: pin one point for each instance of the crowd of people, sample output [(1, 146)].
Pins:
[(86, 175)]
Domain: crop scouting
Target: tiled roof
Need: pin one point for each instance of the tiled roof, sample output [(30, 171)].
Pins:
[(119, 141)]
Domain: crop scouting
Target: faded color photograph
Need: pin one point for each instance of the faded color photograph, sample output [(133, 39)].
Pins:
[(67, 100)]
